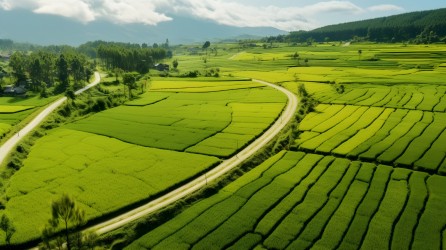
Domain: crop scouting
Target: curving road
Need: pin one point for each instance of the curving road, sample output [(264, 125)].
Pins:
[(201, 181), (9, 144)]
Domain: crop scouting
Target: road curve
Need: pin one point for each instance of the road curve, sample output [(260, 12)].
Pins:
[(201, 181), (9, 144)]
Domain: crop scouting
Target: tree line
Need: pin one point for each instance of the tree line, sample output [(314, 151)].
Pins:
[(44, 69), (138, 59), (417, 27)]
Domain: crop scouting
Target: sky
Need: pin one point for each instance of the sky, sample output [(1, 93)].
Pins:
[(287, 15)]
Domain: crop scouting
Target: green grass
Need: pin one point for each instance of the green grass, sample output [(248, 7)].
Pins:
[(13, 109), (102, 174)]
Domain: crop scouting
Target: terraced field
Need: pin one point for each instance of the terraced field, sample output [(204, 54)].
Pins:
[(415, 96), (301, 201), (400, 137), (132, 153), (367, 170)]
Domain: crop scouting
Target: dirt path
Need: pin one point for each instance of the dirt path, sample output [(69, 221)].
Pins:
[(9, 144), (201, 181)]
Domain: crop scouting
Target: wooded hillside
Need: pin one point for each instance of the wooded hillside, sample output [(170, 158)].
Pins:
[(418, 27)]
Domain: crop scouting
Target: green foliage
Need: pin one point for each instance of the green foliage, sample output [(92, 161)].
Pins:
[(7, 227), (127, 56), (397, 28)]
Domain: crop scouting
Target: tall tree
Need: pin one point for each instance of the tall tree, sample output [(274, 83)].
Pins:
[(206, 45), (18, 63), (65, 211), (77, 70), (62, 72), (36, 73)]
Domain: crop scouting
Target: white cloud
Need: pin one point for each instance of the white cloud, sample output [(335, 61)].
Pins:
[(152, 12), (385, 7), (75, 9), (132, 11), (289, 18)]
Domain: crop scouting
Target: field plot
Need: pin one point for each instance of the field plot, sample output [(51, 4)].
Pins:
[(400, 137), (103, 174), (417, 97), (129, 154), (14, 109), (213, 118), (306, 201)]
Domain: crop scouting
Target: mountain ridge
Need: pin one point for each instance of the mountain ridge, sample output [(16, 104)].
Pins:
[(50, 29)]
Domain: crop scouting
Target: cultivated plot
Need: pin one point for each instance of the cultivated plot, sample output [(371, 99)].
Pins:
[(399, 137), (301, 201)]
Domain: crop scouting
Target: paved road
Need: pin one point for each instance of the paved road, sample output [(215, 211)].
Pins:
[(9, 144), (213, 174)]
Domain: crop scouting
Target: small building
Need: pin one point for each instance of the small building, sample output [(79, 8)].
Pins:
[(162, 67), (13, 90)]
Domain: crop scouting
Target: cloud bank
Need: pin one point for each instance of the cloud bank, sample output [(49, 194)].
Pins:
[(229, 12)]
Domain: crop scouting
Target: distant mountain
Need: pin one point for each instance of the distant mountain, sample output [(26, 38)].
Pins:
[(23, 26), (421, 25)]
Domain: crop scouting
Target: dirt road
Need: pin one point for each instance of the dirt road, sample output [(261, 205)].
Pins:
[(9, 144), (213, 174)]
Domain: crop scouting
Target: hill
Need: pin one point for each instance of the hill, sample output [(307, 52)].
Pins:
[(421, 26)]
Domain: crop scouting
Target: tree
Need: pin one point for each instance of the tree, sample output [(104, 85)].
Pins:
[(175, 64), (36, 73), (129, 79), (306, 61), (69, 93), (296, 56), (206, 45), (62, 72), (77, 70), (118, 72), (7, 227), (65, 211), (18, 62)]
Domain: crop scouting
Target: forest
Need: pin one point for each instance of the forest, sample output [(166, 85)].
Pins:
[(421, 27)]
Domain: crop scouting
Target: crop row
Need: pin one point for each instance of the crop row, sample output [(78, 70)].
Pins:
[(102, 174), (420, 97), (406, 138), (307, 201), (213, 123)]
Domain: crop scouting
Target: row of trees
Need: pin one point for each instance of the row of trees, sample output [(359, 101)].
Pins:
[(46, 69), (137, 59)]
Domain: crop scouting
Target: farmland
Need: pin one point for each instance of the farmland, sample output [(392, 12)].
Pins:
[(365, 171), (366, 168), (409, 138), (211, 118), (13, 110), (133, 151), (299, 201)]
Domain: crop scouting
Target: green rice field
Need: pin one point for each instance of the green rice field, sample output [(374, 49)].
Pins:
[(296, 200), (13, 110), (130, 154), (212, 118), (366, 169)]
